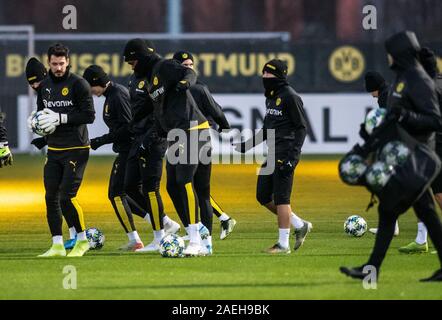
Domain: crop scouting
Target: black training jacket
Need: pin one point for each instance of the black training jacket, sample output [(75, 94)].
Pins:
[(208, 106), (413, 90), (285, 114), (383, 96), (117, 117), (141, 104), (174, 109), (69, 95), (438, 82)]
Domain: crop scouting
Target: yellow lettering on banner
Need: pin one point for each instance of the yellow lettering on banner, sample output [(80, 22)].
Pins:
[(14, 65), (73, 62), (247, 68), (126, 70), (116, 64), (102, 60), (206, 60), (291, 61), (84, 61), (439, 64), (227, 65)]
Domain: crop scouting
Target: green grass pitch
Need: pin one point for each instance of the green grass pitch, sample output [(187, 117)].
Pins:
[(237, 270)]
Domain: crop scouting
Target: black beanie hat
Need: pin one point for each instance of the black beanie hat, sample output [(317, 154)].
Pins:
[(276, 67), (96, 76), (181, 56), (35, 71), (137, 48), (373, 81), (428, 60)]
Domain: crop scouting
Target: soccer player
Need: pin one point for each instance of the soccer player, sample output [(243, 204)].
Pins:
[(413, 104), (217, 120), (68, 106), (178, 116), (144, 167), (5, 153), (35, 74), (117, 116), (420, 245), (285, 115), (376, 85)]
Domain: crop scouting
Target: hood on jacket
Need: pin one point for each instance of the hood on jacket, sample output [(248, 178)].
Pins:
[(404, 48), (145, 65)]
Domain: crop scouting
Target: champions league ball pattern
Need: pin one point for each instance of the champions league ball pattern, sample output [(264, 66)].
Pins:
[(352, 169), (355, 226)]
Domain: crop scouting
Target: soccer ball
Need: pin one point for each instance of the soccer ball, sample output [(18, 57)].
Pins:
[(374, 119), (95, 238), (172, 246), (35, 125), (378, 175), (355, 226), (395, 153), (352, 168)]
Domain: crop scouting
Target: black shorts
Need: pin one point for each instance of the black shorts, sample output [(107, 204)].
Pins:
[(276, 186), (64, 170)]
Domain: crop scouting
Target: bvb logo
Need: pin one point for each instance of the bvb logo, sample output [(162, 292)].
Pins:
[(346, 64), (141, 85), (155, 81), (64, 91), (278, 101)]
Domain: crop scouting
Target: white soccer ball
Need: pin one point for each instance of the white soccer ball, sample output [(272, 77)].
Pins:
[(355, 226), (395, 153), (374, 119), (352, 168), (35, 125), (378, 175), (172, 246), (95, 237)]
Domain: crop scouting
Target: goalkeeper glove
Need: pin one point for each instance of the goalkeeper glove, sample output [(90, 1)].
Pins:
[(51, 119), (5, 155), (30, 121)]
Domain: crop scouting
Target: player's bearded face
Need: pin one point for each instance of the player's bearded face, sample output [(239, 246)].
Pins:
[(58, 65)]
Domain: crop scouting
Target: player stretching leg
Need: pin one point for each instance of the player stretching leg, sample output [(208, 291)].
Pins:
[(117, 116), (285, 115), (35, 73), (67, 103)]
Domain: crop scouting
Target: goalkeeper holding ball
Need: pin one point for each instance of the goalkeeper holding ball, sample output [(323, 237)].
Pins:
[(64, 106)]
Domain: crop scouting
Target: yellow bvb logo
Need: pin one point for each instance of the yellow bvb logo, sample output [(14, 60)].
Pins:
[(155, 81), (64, 91), (141, 85), (346, 64), (185, 55), (400, 87), (278, 101), (106, 109)]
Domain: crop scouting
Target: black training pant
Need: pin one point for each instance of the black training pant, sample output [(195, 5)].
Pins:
[(424, 210), (63, 173)]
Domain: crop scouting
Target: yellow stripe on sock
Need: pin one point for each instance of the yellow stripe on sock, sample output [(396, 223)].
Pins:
[(191, 203), (79, 212), (215, 205), (155, 210), (122, 212)]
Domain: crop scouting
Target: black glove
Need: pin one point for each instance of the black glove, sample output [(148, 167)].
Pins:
[(96, 143), (286, 166), (183, 85), (363, 133), (39, 143), (143, 150), (396, 113)]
